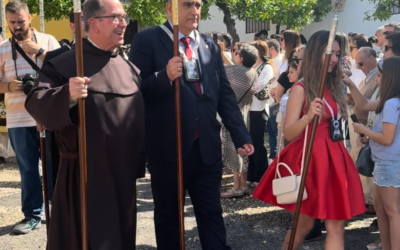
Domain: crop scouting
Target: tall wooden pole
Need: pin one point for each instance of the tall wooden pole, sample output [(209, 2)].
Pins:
[(44, 170), (41, 13), (337, 6), (181, 191), (82, 126)]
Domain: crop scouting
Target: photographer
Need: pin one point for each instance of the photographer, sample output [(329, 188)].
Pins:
[(20, 60)]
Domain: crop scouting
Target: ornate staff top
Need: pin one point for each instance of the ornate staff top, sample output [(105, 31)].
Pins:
[(77, 6), (337, 7), (175, 17)]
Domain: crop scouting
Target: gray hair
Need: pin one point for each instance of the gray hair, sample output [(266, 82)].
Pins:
[(15, 6), (382, 28), (249, 53), (92, 8), (367, 51), (395, 25)]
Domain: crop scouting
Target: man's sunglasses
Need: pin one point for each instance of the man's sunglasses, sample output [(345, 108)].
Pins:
[(387, 33), (387, 48)]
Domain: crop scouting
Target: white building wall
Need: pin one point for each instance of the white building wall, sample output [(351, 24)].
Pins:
[(216, 24), (350, 20)]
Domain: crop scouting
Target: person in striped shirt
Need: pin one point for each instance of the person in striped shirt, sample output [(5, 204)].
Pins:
[(21, 126)]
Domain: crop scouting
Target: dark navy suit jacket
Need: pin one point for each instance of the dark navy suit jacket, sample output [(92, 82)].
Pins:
[(150, 51)]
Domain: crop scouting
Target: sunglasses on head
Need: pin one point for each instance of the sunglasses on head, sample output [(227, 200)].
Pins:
[(295, 59)]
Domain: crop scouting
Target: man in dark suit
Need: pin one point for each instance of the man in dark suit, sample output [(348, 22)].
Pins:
[(201, 99)]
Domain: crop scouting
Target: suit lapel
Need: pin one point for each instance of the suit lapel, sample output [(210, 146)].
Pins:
[(204, 61)]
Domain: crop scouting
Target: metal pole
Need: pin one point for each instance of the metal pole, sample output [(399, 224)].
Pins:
[(41, 13), (44, 170), (3, 18)]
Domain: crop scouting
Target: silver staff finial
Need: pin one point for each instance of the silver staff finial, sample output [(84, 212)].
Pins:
[(338, 6)]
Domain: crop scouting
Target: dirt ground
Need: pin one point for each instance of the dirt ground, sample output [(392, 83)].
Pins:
[(251, 225)]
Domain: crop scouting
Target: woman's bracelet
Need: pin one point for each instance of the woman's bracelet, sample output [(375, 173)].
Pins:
[(307, 122), (9, 90)]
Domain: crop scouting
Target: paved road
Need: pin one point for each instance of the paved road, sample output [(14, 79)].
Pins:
[(251, 225)]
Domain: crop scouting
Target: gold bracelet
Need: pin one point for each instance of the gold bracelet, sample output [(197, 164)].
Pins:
[(305, 120), (9, 87)]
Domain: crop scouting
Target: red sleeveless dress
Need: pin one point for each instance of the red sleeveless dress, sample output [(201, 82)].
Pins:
[(333, 184)]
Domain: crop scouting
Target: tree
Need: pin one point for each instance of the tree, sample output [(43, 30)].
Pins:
[(382, 11), (53, 9)]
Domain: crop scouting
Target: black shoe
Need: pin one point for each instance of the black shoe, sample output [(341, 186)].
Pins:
[(2, 160), (313, 236)]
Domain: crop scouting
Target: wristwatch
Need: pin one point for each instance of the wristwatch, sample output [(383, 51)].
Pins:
[(40, 52)]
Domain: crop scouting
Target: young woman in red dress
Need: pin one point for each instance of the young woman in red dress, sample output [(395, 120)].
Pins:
[(333, 184)]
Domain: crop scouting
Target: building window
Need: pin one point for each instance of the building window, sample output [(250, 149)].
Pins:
[(254, 26), (396, 7)]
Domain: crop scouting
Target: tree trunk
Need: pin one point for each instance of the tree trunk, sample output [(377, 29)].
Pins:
[(278, 27), (229, 22)]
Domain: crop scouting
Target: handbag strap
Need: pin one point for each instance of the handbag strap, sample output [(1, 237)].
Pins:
[(247, 91), (277, 173)]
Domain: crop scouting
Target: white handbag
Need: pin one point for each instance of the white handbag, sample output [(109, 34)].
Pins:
[(286, 189)]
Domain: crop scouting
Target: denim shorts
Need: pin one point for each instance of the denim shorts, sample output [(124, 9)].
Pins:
[(386, 173)]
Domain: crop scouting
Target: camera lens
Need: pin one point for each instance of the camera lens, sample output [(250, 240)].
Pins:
[(28, 82)]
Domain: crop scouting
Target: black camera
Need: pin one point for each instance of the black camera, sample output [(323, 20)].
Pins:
[(28, 81)]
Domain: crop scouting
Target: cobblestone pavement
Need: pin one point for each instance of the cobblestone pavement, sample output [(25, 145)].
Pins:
[(251, 225)]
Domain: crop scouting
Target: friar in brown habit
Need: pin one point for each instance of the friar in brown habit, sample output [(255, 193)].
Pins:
[(115, 134)]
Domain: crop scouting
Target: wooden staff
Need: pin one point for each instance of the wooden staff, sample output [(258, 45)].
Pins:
[(44, 172), (337, 6), (82, 126), (181, 192), (41, 13)]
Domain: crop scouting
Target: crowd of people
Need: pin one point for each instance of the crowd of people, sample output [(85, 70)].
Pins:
[(232, 94), (355, 86)]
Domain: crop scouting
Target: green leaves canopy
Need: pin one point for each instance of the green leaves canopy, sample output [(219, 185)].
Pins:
[(53, 9), (382, 10)]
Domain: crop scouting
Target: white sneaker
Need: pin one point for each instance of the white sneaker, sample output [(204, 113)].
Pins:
[(377, 245)]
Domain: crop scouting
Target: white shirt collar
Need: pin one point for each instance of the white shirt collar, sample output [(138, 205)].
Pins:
[(191, 35)]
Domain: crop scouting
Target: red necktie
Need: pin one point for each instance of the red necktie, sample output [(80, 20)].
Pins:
[(189, 53)]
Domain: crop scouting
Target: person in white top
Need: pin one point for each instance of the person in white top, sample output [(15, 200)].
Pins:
[(258, 161)]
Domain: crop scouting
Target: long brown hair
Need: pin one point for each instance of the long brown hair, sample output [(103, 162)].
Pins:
[(311, 70), (292, 41), (390, 81), (263, 51)]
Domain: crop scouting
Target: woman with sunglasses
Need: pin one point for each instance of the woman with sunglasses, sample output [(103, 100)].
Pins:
[(384, 140), (392, 46), (333, 184), (291, 41)]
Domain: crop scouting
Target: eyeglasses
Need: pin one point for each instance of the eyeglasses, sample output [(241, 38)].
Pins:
[(387, 48), (387, 33), (295, 59), (360, 64), (117, 18)]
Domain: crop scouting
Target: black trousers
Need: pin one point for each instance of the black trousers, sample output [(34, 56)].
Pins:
[(258, 161), (203, 183)]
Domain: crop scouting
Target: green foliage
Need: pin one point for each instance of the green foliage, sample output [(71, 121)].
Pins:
[(382, 10), (147, 12), (53, 9)]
